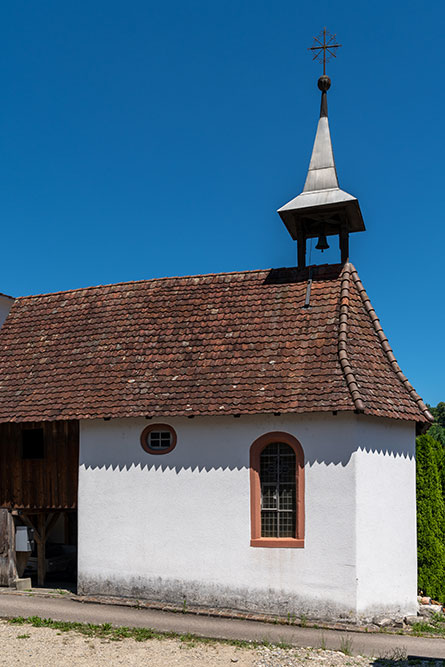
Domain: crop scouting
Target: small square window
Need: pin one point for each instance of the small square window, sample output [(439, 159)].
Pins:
[(33, 444), (158, 439)]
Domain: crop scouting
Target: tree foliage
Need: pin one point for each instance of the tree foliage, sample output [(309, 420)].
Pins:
[(431, 516), (437, 430)]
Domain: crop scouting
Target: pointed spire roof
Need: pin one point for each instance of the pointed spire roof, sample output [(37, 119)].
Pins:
[(322, 174), (322, 200)]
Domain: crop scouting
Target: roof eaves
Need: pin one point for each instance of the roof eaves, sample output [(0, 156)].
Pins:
[(386, 346)]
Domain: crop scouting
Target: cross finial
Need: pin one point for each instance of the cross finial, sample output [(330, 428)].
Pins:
[(323, 48)]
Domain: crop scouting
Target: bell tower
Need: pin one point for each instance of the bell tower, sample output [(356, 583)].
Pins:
[(322, 209)]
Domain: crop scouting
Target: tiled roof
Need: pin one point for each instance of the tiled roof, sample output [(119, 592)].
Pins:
[(234, 343)]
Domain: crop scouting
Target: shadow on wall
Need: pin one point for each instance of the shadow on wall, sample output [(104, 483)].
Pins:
[(228, 448)]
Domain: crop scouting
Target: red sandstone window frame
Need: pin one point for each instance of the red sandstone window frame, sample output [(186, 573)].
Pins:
[(255, 492), (158, 427)]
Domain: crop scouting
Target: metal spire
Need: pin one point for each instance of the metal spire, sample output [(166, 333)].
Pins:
[(322, 173), (322, 208)]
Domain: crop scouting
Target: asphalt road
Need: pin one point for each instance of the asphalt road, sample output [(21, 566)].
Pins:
[(369, 644)]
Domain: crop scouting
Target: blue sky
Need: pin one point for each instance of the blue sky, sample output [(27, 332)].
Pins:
[(143, 139)]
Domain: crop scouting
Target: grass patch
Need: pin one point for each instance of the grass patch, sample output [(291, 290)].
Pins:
[(346, 645), (435, 625), (114, 633), (438, 619)]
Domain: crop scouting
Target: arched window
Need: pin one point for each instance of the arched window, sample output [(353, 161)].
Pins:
[(277, 491)]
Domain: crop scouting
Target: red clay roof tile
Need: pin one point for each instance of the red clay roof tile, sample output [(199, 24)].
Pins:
[(235, 343)]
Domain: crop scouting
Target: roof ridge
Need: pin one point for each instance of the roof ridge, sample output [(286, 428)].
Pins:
[(343, 337), (386, 346), (153, 280), (147, 280)]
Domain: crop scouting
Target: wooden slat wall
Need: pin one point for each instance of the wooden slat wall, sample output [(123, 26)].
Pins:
[(49, 483)]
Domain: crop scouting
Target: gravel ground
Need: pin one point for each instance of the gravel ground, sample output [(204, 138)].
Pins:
[(46, 647)]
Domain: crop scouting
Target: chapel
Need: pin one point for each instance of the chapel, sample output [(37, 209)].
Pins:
[(237, 440)]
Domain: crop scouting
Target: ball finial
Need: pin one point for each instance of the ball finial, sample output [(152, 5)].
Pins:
[(324, 83)]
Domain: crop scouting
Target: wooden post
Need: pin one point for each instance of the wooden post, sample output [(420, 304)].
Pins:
[(39, 528), (8, 565), (42, 526), (344, 245), (301, 249), (41, 543)]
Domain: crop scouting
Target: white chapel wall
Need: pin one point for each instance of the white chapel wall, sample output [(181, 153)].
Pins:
[(177, 526), (386, 522)]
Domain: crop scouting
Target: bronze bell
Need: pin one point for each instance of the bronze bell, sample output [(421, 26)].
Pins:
[(322, 243)]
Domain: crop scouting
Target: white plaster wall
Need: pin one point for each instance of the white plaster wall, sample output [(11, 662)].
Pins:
[(386, 518), (177, 526), (5, 306)]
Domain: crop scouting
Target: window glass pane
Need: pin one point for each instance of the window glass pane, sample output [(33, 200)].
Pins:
[(271, 449), (287, 498), (160, 439), (269, 498), (268, 468), (287, 524), (269, 524), (287, 468), (278, 490), (284, 450)]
